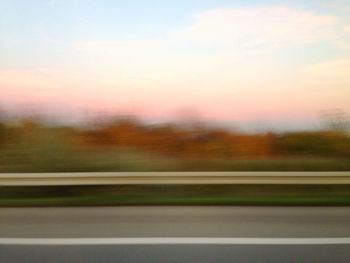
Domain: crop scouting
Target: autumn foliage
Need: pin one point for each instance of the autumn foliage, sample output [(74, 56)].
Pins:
[(205, 142), (125, 144)]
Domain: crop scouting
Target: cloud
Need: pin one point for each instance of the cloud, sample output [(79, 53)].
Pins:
[(333, 75), (22, 79), (214, 38), (217, 63), (257, 26), (235, 72), (339, 6), (230, 32)]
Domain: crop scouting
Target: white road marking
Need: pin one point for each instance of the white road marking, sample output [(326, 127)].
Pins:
[(176, 241)]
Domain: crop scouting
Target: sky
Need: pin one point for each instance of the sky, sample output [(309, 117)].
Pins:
[(259, 63)]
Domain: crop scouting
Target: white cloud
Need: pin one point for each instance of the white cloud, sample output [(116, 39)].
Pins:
[(228, 32), (235, 27), (333, 75), (339, 6), (29, 81), (234, 74), (249, 36), (256, 26)]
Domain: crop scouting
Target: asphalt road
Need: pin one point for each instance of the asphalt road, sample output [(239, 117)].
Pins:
[(96, 224)]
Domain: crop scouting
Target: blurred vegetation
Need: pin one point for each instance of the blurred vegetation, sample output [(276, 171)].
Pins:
[(175, 195), (125, 144)]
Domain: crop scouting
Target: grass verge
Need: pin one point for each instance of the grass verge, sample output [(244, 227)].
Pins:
[(272, 195)]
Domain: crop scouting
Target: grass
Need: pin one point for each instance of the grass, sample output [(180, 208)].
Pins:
[(177, 195), (156, 200)]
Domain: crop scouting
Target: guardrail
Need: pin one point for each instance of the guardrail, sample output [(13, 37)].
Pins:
[(189, 178)]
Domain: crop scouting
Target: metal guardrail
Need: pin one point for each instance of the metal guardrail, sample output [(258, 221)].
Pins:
[(149, 178)]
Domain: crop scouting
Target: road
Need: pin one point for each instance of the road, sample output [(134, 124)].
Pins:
[(175, 234)]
